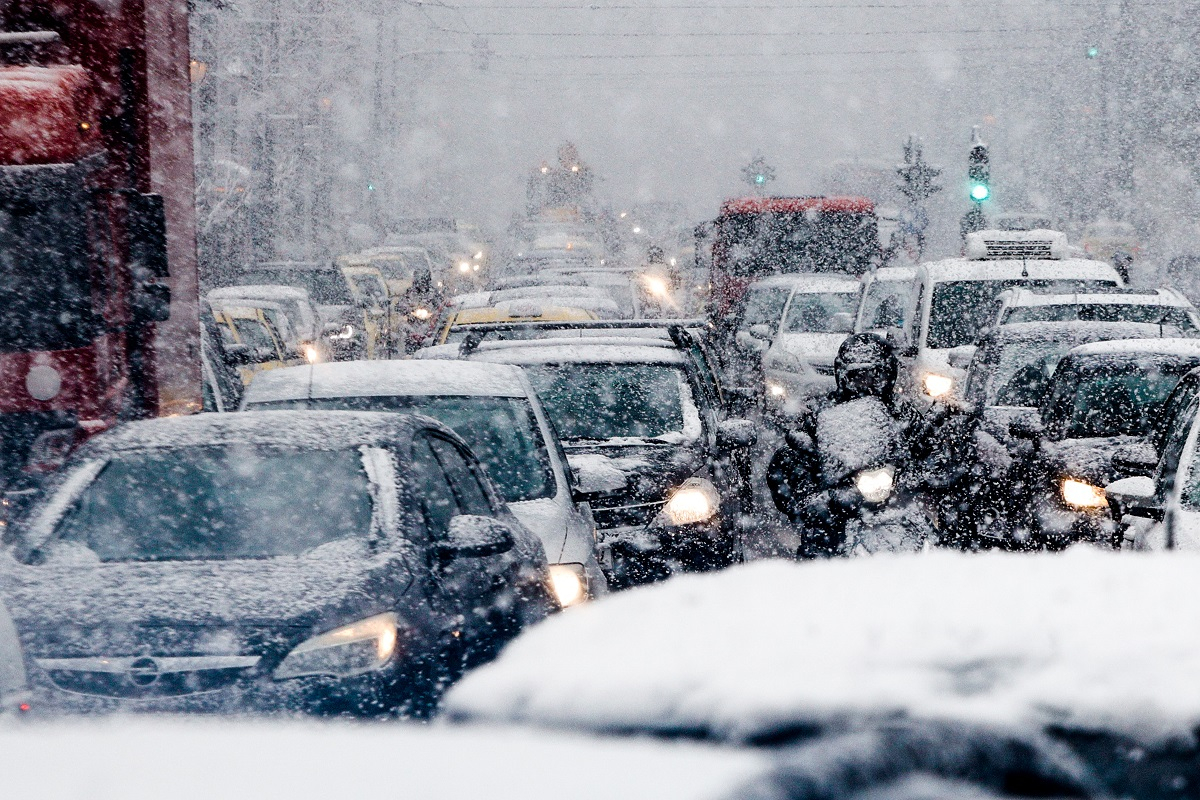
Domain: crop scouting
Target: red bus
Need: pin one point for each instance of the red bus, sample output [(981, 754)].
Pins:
[(98, 285), (759, 236)]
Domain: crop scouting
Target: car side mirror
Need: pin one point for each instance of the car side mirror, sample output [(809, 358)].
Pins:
[(471, 535), (1136, 458), (736, 434), (841, 322), (1135, 497), (595, 477), (1028, 428)]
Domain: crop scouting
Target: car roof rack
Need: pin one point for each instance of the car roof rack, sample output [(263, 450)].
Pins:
[(677, 329)]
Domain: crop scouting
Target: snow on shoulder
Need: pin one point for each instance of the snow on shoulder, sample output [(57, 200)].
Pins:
[(1088, 639)]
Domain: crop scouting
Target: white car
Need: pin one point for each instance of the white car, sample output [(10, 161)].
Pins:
[(1164, 307), (495, 409), (954, 299), (818, 316), (887, 297)]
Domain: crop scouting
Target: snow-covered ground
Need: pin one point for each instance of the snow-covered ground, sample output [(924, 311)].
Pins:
[(182, 759), (1083, 638)]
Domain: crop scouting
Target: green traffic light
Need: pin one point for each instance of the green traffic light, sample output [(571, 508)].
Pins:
[(1093, 51), (760, 179), (980, 192)]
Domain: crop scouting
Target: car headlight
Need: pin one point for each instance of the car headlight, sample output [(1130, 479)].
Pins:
[(937, 385), (875, 485), (776, 390), (570, 584), (1082, 494), (363, 646), (695, 501), (464, 266), (421, 313), (656, 286)]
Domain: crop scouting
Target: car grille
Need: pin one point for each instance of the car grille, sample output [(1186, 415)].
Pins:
[(146, 676)]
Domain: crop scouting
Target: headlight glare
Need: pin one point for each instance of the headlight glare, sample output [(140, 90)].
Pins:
[(875, 485), (569, 582), (776, 390), (937, 385), (1082, 494), (363, 646), (695, 501)]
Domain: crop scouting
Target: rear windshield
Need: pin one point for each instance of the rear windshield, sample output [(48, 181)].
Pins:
[(961, 309), (214, 503), (326, 287), (1112, 396), (1175, 321), (502, 432)]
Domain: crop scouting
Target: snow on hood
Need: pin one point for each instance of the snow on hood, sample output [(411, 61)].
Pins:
[(81, 593), (1085, 638), (193, 759), (820, 348), (1088, 458)]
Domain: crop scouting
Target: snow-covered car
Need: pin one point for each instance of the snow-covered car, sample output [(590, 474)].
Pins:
[(1103, 396), (887, 297), (1165, 307), (640, 419), (1075, 671), (495, 410), (818, 316), (1013, 364), (300, 323), (329, 562), (757, 322), (955, 299)]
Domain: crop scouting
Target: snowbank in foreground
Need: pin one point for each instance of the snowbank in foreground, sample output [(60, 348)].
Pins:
[(1083, 638), (145, 759)]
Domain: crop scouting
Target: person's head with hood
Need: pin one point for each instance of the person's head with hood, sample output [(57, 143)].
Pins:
[(865, 367), (422, 281)]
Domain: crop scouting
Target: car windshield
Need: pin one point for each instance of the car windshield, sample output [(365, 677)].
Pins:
[(217, 503), (604, 402), (764, 306), (325, 287), (502, 432), (884, 304), (961, 309), (45, 273), (1175, 321), (814, 313), (1113, 396), (1020, 371)]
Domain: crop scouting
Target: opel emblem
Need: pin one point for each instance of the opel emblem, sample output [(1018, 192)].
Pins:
[(143, 671)]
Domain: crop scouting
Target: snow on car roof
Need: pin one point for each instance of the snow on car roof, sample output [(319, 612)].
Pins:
[(1081, 639), (904, 274), (809, 283), (1154, 346), (961, 269), (1156, 297), (258, 291), (387, 378), (187, 759), (315, 429), (550, 351)]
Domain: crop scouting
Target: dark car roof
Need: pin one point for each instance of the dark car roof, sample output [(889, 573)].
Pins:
[(310, 429)]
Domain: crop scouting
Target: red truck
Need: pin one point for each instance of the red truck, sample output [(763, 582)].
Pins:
[(98, 282), (754, 237)]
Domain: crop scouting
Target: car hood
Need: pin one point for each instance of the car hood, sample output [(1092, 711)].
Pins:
[(75, 594), (814, 348), (553, 523), (1087, 459), (651, 472)]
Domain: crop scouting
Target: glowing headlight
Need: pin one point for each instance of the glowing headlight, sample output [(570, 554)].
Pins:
[(1082, 494), (656, 286), (875, 485), (464, 266), (569, 583), (695, 501), (421, 313), (776, 390), (364, 646), (937, 385), (478, 255), (311, 354)]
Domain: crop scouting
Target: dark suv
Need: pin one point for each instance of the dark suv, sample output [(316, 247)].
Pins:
[(330, 562)]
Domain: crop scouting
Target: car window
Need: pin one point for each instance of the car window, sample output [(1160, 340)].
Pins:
[(813, 313), (1175, 321), (1176, 412), (764, 306), (254, 334), (884, 304), (437, 499), (472, 497), (1110, 397)]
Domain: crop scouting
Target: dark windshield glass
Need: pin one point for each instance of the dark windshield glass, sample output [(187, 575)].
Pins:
[(1113, 397), (961, 309), (598, 402), (1175, 321), (325, 287), (830, 241), (220, 503), (885, 304), (502, 432), (764, 306), (45, 285)]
